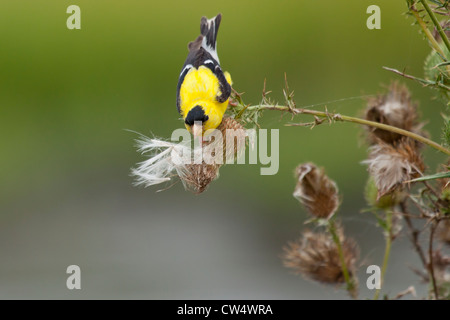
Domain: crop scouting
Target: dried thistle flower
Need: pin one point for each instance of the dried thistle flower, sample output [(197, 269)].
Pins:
[(395, 109), (316, 191), (230, 128), (316, 256), (164, 162), (199, 176), (391, 165)]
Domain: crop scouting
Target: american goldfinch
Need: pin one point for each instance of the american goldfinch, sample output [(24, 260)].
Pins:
[(203, 88)]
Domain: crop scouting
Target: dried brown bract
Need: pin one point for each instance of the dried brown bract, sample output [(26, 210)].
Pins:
[(199, 176), (233, 139), (316, 256), (316, 191)]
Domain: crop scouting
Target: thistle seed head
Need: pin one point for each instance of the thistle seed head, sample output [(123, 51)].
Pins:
[(391, 165), (165, 159), (231, 130), (316, 256), (197, 177), (316, 191), (395, 109)]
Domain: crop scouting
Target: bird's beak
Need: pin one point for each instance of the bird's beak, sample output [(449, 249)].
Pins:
[(197, 130)]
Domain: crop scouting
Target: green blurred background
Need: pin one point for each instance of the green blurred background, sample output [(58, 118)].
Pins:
[(67, 96)]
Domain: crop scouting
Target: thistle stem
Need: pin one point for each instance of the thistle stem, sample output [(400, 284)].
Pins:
[(387, 251), (414, 234), (427, 32), (340, 117), (430, 258), (422, 81), (337, 241), (436, 24)]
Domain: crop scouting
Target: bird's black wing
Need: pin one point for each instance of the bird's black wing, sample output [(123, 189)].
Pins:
[(225, 87), (204, 58), (183, 74)]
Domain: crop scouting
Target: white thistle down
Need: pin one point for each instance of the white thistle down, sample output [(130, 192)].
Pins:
[(195, 166), (394, 111), (389, 167), (164, 161)]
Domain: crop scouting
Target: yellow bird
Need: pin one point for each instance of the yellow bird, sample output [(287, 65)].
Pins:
[(203, 88)]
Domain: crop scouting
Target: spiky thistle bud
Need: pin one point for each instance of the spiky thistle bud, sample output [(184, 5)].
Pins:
[(392, 165), (395, 109), (316, 191), (316, 256), (384, 202)]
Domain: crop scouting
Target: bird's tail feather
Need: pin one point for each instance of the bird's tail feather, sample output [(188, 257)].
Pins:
[(209, 29)]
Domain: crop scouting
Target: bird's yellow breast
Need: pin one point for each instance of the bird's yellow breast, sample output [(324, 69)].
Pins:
[(201, 86)]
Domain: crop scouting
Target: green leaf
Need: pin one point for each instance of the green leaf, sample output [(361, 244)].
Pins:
[(439, 175)]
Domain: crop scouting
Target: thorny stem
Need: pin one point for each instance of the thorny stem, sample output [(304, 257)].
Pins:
[(430, 257), (414, 235), (340, 117), (429, 187), (415, 240), (436, 24), (434, 44), (387, 250), (422, 81), (349, 281), (427, 32)]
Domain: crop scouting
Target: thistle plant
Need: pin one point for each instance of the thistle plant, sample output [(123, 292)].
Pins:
[(398, 190), (402, 193), (395, 165), (328, 256)]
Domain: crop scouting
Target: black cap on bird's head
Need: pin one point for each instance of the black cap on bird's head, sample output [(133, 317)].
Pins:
[(194, 117)]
